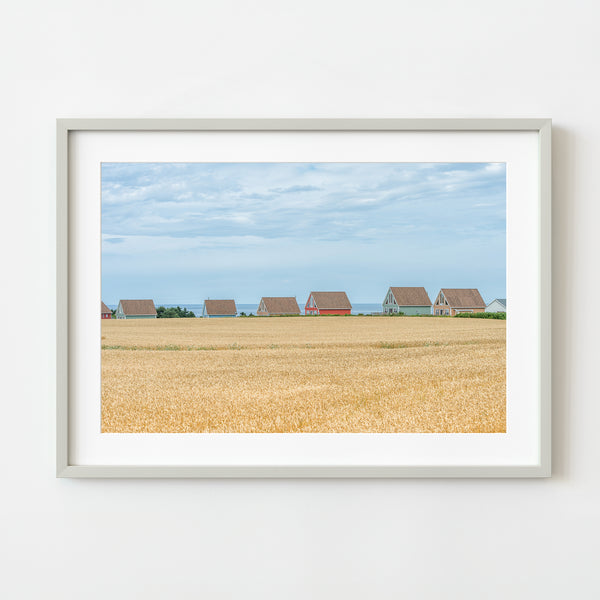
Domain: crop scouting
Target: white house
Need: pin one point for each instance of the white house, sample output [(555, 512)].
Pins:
[(497, 305)]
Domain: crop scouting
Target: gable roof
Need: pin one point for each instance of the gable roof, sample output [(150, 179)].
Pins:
[(220, 307), (411, 296), (138, 307), (331, 300), (104, 308), (463, 298), (284, 305), (501, 301)]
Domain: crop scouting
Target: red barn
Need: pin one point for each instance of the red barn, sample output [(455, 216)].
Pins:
[(327, 303), (105, 312)]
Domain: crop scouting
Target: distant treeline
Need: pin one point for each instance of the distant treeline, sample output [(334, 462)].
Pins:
[(173, 313), (482, 315)]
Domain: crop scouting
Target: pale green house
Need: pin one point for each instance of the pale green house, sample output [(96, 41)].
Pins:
[(219, 309), (407, 300), (136, 309)]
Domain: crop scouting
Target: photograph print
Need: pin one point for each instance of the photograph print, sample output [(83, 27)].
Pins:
[(303, 298)]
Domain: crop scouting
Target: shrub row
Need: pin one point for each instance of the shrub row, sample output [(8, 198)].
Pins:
[(482, 315)]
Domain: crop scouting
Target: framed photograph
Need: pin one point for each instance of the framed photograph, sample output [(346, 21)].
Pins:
[(303, 297)]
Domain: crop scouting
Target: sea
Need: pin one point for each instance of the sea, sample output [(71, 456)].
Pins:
[(363, 308)]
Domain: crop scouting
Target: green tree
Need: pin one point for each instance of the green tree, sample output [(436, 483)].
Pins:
[(174, 313)]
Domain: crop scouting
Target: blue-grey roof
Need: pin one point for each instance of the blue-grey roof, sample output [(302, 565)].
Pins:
[(501, 300)]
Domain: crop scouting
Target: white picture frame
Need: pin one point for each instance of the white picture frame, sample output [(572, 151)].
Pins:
[(222, 462)]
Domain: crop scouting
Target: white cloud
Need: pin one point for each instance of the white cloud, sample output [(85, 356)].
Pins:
[(302, 215)]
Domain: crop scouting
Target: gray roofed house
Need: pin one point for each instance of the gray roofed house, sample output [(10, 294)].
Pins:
[(497, 305), (136, 309), (219, 308), (407, 300), (283, 305)]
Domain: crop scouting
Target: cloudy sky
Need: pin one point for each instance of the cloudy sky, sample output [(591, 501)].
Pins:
[(183, 232)]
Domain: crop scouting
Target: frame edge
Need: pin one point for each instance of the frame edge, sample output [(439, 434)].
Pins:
[(66, 470), (298, 472), (308, 124), (545, 283), (62, 298)]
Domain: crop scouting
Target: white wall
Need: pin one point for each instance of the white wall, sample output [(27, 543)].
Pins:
[(295, 539)]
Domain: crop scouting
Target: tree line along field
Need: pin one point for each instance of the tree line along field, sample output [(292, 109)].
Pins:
[(301, 374)]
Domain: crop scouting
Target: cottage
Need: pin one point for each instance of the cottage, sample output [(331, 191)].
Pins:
[(407, 300), (270, 306), (105, 312), (219, 308), (327, 303), (136, 309), (497, 305), (454, 301)]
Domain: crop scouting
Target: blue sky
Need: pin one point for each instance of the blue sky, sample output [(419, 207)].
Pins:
[(183, 232)]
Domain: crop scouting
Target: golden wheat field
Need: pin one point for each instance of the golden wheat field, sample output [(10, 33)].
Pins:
[(304, 374)]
